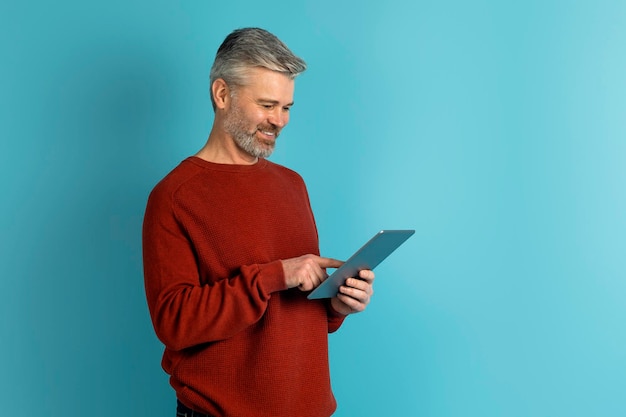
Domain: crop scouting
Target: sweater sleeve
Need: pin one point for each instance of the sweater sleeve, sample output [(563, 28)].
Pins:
[(335, 319), (184, 312)]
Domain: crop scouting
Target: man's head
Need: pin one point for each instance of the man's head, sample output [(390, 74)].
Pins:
[(249, 48), (252, 83)]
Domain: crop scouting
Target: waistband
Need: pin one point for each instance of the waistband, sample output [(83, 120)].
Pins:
[(183, 411)]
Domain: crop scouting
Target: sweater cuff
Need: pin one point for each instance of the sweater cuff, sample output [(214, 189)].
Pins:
[(273, 277), (335, 319)]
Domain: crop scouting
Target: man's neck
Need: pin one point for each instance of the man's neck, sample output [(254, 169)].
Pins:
[(221, 150)]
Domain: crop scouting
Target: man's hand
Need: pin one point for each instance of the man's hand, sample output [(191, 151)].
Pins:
[(355, 294), (308, 271)]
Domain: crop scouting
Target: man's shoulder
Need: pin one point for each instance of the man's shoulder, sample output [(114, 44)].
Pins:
[(282, 170), (185, 171)]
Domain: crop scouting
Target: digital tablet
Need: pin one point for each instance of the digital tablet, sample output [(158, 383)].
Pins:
[(368, 257)]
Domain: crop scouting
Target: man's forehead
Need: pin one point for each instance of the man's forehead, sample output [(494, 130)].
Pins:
[(269, 85)]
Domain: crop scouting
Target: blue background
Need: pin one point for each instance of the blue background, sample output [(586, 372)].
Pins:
[(496, 129)]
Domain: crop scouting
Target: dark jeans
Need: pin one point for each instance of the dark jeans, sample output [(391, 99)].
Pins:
[(183, 411)]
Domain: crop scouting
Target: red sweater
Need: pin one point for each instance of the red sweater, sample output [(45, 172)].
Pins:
[(237, 341)]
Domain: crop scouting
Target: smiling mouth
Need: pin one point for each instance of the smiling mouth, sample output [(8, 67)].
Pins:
[(270, 134)]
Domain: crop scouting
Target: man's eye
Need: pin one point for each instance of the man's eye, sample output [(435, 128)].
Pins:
[(268, 106)]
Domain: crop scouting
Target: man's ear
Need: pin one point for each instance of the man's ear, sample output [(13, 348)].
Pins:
[(221, 93)]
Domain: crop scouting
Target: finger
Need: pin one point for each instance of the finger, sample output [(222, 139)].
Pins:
[(359, 284), (314, 276), (367, 275), (320, 276), (352, 303), (360, 295), (329, 262), (310, 283)]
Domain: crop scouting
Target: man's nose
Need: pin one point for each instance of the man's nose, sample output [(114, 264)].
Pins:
[(279, 117)]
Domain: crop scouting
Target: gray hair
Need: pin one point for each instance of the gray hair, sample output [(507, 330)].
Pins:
[(249, 48)]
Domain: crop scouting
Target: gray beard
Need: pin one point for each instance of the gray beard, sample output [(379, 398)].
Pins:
[(235, 126)]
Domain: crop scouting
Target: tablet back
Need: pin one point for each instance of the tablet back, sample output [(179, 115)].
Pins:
[(368, 257)]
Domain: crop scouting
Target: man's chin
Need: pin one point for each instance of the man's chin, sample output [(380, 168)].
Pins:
[(263, 151)]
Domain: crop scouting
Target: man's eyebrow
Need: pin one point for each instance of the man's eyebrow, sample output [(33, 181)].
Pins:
[(271, 101)]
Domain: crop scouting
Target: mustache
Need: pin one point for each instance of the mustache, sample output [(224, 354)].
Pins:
[(270, 129)]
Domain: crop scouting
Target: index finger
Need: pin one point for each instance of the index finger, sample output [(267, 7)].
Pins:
[(329, 262)]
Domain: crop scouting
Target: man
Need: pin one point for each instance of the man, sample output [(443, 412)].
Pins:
[(231, 252)]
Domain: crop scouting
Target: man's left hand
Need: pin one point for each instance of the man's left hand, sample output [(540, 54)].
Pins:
[(355, 294)]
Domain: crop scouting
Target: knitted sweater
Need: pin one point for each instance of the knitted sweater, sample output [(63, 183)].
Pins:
[(237, 341)]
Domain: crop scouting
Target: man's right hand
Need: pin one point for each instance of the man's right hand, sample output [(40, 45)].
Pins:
[(307, 271)]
